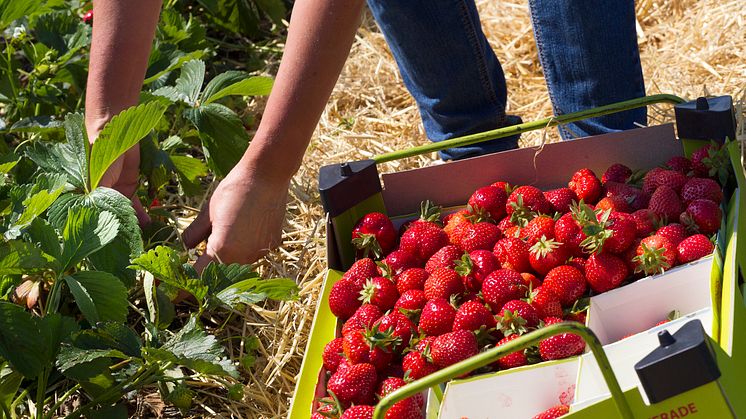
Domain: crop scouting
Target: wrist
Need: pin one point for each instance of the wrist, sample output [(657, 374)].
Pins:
[(273, 161)]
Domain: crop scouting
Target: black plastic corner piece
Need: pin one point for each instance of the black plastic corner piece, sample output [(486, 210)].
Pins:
[(683, 361), (342, 186), (706, 119)]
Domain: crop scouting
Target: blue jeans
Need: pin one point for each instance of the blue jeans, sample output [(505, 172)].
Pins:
[(589, 55)]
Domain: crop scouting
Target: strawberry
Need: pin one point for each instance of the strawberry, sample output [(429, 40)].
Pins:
[(613, 203), (634, 197), (502, 286), (693, 248), (391, 384), (617, 172), (604, 271), (701, 188), (546, 302), (516, 359), (473, 316), (400, 260), (586, 185), (343, 299), (711, 161), (405, 409), (423, 240), (526, 199), (381, 292), (364, 317), (482, 235), (443, 283), (680, 164), (332, 355), (328, 409), (446, 257), (505, 224), (655, 254), (416, 365), (702, 216), (577, 263), (674, 232), (517, 308), (489, 201), (645, 222), (629, 257), (665, 203), (553, 412), (567, 282), (568, 231), (541, 226), (369, 346), (88, 17), (547, 254), (530, 280), (661, 177), (374, 234), (474, 267), (512, 253), (613, 232), (354, 384), (450, 348), (361, 271), (360, 411), (399, 327), (561, 199), (560, 346), (437, 317), (411, 302), (411, 279)]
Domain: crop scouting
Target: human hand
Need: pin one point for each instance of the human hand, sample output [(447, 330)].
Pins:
[(242, 220)]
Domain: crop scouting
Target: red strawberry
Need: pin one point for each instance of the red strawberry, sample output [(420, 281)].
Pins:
[(474, 267), (328, 409), (710, 161), (527, 199), (665, 203), (629, 257), (88, 17), (450, 348), (613, 203), (568, 231), (561, 199), (553, 412), (456, 226), (546, 302), (423, 240), (381, 292), (417, 365), (369, 346), (645, 222), (605, 271), (693, 248), (364, 317), (411, 302), (446, 257), (655, 254), (623, 232), (360, 411), (443, 283), (473, 316), (503, 185), (546, 255), (482, 235), (361, 271), (400, 260), (374, 235), (577, 263), (530, 280), (502, 286), (399, 327), (586, 185), (332, 355), (343, 299), (505, 224), (411, 279), (617, 172), (405, 409), (560, 346), (429, 217), (354, 384), (703, 216), (541, 226), (391, 384), (680, 164), (517, 308), (512, 253), (567, 282), (661, 177), (489, 200), (674, 232), (634, 197), (701, 188), (516, 359), (437, 317)]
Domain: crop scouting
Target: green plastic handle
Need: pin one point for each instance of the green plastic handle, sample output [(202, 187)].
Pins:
[(529, 126), (491, 355)]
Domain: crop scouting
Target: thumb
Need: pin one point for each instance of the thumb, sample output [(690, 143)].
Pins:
[(199, 230)]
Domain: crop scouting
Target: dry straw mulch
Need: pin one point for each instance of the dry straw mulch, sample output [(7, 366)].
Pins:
[(688, 48)]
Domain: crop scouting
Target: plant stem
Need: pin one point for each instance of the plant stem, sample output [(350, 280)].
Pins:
[(54, 297), (10, 71), (6, 412), (41, 390), (62, 400)]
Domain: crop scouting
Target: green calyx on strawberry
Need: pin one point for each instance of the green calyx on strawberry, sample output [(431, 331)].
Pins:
[(511, 323), (596, 231), (329, 407), (430, 212), (374, 235), (655, 254), (521, 214), (368, 245)]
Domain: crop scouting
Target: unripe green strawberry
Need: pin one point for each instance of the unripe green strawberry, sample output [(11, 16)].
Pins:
[(181, 397)]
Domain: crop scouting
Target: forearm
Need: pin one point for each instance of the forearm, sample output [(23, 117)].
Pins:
[(319, 40), (123, 32)]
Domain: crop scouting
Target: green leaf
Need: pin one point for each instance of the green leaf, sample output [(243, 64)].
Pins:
[(100, 296), (224, 139), (36, 205), (218, 276), (253, 86), (72, 356), (252, 291), (163, 262), (189, 170), (9, 385), (109, 335), (8, 162), (37, 124), (171, 93), (190, 80), (69, 158), (11, 10), (86, 231), (120, 134), (221, 81), (44, 236), (275, 9), (176, 62), (18, 257)]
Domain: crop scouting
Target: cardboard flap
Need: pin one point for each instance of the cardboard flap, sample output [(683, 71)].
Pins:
[(452, 183)]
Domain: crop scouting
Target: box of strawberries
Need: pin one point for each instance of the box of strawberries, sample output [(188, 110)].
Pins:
[(429, 267)]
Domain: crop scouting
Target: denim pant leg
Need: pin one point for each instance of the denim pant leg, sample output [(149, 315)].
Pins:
[(449, 68), (588, 50)]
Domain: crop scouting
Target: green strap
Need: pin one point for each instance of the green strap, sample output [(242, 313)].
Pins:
[(491, 355), (528, 126)]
